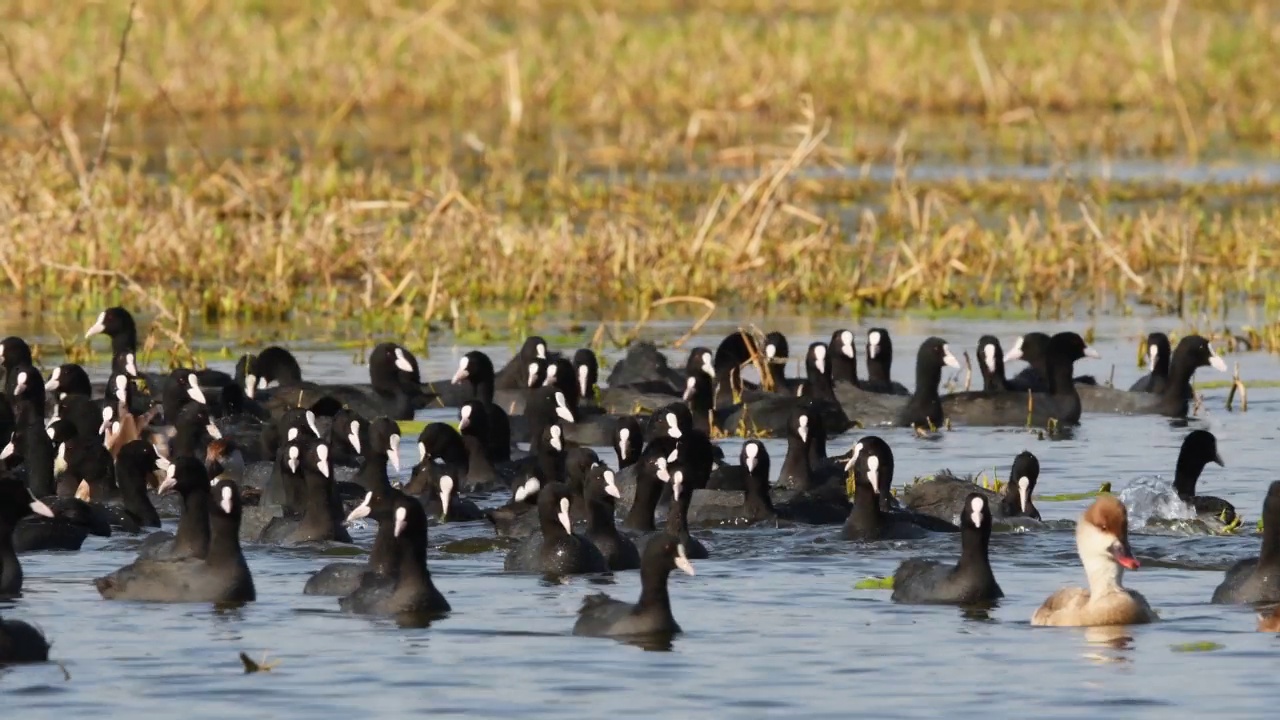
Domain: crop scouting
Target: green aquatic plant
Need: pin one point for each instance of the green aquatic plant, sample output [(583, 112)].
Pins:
[(874, 583), (1200, 646), (1104, 489)]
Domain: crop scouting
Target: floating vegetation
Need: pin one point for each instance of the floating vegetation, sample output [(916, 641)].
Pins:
[(1105, 489), (1202, 646), (874, 583)]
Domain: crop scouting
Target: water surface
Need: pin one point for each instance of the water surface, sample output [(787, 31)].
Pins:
[(773, 624)]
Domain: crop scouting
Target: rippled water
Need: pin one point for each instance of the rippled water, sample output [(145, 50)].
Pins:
[(773, 624)]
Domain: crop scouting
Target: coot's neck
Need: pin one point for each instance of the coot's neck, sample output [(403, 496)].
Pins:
[(316, 508), (974, 545), (758, 502), (224, 539), (549, 520), (993, 381), (1181, 369), (192, 537), (648, 493), (382, 556), (778, 372), (878, 368), (37, 454), (928, 377), (478, 463), (796, 463), (728, 385), (842, 368), (653, 588), (133, 491), (1161, 368), (1059, 377), (1186, 474), (482, 390), (372, 475), (600, 516), (10, 568), (866, 506), (413, 571), (1270, 555), (124, 341), (818, 386)]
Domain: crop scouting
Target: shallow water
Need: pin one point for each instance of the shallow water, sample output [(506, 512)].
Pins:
[(773, 624)]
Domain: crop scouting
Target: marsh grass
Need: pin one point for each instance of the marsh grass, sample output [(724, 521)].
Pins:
[(552, 170)]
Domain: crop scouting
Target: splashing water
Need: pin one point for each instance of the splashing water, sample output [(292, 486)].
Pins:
[(1151, 498)]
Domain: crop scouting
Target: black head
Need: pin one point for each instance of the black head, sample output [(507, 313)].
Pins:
[(409, 519), (61, 430), (586, 368), (143, 457), (602, 485), (226, 499), (274, 365), (1199, 448), (991, 356), (315, 456), (560, 374), (25, 383), (754, 457), (804, 425), (17, 502), (113, 322), (699, 393), (934, 352), (879, 346), (1195, 352), (553, 509), (384, 440), (476, 368), (732, 353), (1033, 348), (552, 440), (702, 360), (349, 432), (534, 348), (628, 440), (817, 361), (872, 464), (392, 365), (663, 554), (195, 418), (976, 514), (1023, 477), (673, 421), (473, 419), (14, 352), (184, 475), (1158, 352), (69, 379), (536, 371), (578, 462), (187, 384), (439, 441), (776, 349), (549, 404), (842, 358), (1069, 346), (296, 422)]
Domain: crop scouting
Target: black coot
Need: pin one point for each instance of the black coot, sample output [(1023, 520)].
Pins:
[(944, 495), (1257, 579), (970, 581), (603, 616)]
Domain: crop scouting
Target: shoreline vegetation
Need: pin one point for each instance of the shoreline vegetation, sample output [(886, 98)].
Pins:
[(246, 160)]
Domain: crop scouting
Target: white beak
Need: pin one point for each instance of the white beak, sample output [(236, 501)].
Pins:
[(446, 489), (402, 362), (362, 510), (1091, 353), (682, 561), (1015, 353), (98, 326), (393, 452), (563, 515), (401, 519), (1216, 361), (948, 359)]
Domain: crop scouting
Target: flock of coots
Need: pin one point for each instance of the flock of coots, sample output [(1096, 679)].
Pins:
[(265, 456)]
